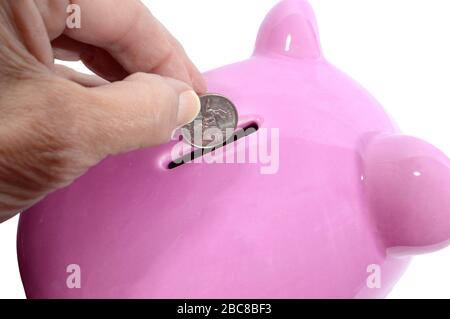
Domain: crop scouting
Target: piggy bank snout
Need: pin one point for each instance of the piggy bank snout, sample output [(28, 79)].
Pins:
[(408, 187)]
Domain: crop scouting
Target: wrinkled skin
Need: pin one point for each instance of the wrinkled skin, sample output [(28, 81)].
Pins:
[(56, 123)]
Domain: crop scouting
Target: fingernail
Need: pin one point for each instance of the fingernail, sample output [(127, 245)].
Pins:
[(188, 107)]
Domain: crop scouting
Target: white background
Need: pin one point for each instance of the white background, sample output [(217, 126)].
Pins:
[(398, 49)]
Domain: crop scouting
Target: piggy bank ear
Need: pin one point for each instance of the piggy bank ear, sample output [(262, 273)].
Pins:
[(408, 187), (289, 29)]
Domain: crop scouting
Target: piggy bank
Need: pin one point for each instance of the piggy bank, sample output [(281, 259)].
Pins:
[(323, 197)]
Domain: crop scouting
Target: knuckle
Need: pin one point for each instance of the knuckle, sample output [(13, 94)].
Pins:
[(161, 105), (163, 115), (53, 13), (138, 76)]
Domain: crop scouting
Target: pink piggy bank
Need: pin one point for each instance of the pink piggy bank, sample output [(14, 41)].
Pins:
[(325, 199)]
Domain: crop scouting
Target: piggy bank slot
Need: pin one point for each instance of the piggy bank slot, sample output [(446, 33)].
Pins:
[(242, 131)]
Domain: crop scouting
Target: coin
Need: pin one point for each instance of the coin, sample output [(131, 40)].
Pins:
[(215, 123)]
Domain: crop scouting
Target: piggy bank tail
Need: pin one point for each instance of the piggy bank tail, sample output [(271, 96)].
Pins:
[(407, 182)]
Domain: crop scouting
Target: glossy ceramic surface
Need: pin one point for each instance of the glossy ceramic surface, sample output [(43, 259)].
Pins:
[(348, 192)]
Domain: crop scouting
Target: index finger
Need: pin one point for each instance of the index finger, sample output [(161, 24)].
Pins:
[(136, 39)]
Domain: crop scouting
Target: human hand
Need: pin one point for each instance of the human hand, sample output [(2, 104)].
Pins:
[(56, 123)]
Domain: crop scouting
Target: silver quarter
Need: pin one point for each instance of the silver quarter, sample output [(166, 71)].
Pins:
[(215, 123)]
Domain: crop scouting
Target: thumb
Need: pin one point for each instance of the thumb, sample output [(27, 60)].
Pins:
[(142, 110)]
